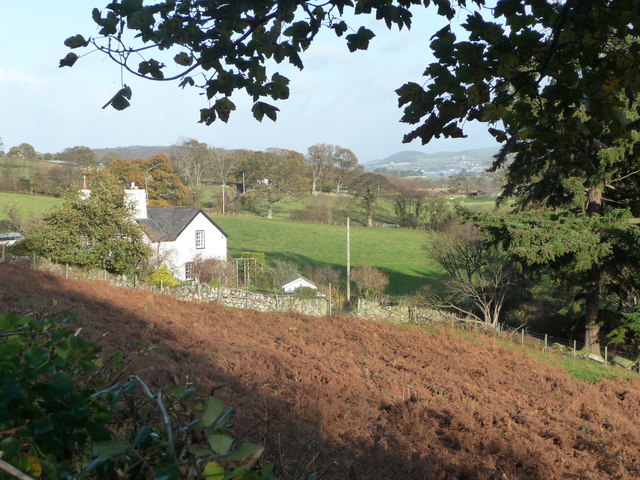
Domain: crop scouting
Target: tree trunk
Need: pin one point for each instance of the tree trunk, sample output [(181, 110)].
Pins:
[(313, 186), (592, 300), (270, 211), (369, 221), (223, 199)]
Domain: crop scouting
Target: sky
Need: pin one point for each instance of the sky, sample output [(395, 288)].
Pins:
[(339, 98)]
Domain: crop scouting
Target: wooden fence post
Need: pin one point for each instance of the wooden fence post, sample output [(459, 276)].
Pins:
[(3, 253), (574, 349), (606, 355), (66, 270), (546, 341), (522, 337)]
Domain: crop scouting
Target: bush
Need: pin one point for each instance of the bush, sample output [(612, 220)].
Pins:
[(305, 292), (370, 281), (214, 271), (162, 276)]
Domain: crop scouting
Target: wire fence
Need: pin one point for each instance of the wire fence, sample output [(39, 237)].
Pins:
[(548, 343)]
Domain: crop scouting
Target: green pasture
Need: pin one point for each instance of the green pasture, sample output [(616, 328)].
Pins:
[(397, 252), (30, 206)]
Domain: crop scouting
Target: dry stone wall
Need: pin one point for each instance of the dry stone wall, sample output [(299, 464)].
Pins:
[(230, 297)]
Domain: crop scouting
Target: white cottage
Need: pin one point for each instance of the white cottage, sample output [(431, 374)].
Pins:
[(178, 235), (297, 281)]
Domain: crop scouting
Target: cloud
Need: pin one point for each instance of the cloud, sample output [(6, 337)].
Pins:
[(17, 78)]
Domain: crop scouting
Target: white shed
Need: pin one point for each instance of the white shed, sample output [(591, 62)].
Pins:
[(297, 281)]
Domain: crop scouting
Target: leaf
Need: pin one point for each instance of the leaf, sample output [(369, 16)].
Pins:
[(68, 60), (143, 434), (199, 451), (220, 444), (360, 39), (224, 107), (120, 100), (109, 449), (213, 471), (183, 59), (76, 41), (260, 109), (246, 451), (213, 411)]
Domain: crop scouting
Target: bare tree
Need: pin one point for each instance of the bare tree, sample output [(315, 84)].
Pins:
[(224, 164), (481, 277), (370, 281), (191, 159)]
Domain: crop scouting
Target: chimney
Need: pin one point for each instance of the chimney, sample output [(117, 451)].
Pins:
[(137, 197), (85, 192)]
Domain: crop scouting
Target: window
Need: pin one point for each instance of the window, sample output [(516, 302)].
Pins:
[(199, 238), (189, 270)]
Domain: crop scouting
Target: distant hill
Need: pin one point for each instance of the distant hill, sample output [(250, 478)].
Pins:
[(435, 164), (134, 151)]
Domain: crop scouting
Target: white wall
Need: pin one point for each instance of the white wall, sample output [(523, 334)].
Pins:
[(176, 254)]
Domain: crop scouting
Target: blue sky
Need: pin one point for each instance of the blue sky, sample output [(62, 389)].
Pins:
[(340, 98)]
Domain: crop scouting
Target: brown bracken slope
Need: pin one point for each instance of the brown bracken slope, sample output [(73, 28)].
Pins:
[(353, 399)]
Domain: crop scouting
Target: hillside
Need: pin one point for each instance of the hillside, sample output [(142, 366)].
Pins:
[(436, 164), (362, 400)]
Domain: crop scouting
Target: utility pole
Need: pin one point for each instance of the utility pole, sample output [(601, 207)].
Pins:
[(348, 263)]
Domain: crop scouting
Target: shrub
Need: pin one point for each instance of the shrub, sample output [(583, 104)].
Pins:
[(162, 276), (214, 271), (370, 281), (305, 292)]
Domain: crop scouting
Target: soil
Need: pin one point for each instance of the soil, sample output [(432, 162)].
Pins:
[(353, 399)]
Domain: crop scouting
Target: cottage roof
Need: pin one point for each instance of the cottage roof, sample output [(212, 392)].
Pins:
[(165, 224), (297, 276)]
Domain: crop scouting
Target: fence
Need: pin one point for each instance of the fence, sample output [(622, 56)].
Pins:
[(231, 297), (548, 343)]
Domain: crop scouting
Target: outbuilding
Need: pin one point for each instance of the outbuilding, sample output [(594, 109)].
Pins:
[(297, 281)]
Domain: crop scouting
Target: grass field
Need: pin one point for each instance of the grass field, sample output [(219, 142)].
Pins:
[(31, 206), (397, 252)]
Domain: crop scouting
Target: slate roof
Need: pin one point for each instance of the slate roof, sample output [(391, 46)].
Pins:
[(296, 277), (165, 224)]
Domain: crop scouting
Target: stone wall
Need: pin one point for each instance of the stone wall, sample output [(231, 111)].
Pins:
[(400, 313), (230, 297)]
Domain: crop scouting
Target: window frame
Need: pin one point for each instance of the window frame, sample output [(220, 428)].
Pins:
[(200, 239), (189, 271)]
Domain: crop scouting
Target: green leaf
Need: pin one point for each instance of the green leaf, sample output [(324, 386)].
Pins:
[(61, 384), (213, 471), (245, 450), (199, 451), (213, 411), (224, 107), (143, 434), (109, 449), (220, 444)]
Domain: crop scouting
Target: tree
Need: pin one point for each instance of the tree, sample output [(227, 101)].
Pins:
[(276, 174), (191, 159), (79, 156), (164, 187), (224, 165), (92, 232), (344, 168), (481, 275), (23, 151), (370, 187), (370, 281), (319, 160)]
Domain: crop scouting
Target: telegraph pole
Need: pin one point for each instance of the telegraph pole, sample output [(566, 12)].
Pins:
[(348, 263)]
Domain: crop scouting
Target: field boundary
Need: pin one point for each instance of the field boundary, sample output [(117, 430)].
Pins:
[(195, 292), (413, 314)]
